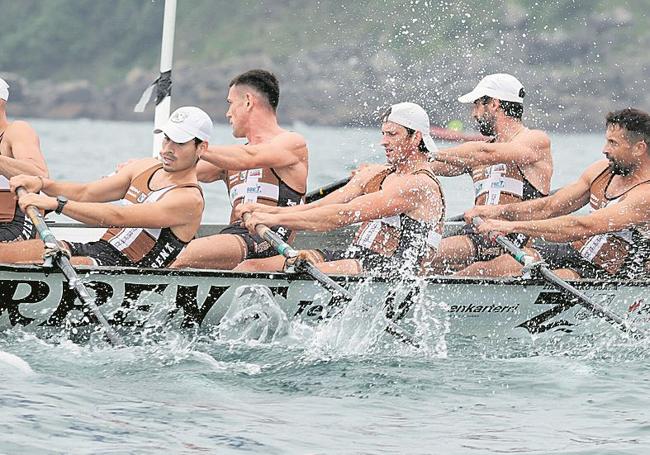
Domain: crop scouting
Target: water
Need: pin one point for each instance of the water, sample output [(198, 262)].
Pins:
[(324, 391)]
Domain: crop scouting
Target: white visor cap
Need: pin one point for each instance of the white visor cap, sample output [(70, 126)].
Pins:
[(187, 123), (411, 115), (501, 86)]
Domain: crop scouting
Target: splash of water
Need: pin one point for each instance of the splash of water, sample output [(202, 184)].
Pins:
[(253, 314), (15, 364), (363, 325)]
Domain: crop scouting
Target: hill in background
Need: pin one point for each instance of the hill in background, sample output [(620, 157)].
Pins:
[(338, 62)]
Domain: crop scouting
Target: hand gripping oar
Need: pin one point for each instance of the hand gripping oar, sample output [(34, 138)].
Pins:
[(323, 191), (64, 264), (310, 269), (530, 263)]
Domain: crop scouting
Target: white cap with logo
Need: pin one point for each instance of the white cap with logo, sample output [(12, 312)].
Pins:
[(411, 115), (501, 86), (4, 90), (187, 123)]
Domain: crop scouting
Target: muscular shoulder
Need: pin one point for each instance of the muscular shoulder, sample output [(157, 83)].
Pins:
[(594, 170), (412, 183), (291, 140), (19, 128), (366, 172), (19, 125), (139, 165), (192, 194), (536, 139), (185, 198)]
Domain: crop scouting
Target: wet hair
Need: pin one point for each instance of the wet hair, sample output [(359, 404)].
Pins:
[(384, 118), (635, 122), (510, 108), (263, 82)]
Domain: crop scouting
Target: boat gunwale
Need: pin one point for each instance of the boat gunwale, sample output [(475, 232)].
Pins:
[(87, 271)]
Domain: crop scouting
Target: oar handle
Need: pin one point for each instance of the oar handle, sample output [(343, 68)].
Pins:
[(274, 239), (517, 253), (289, 252), (37, 220)]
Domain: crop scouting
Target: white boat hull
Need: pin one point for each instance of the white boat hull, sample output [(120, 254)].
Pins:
[(32, 297)]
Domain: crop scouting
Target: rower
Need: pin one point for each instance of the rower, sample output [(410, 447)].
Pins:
[(20, 153), (271, 169), (400, 205), (614, 239), (161, 203), (515, 165)]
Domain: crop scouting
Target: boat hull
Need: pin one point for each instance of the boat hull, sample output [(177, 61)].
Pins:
[(32, 297)]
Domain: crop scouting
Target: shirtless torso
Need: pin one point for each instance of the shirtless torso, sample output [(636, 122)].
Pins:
[(160, 210), (400, 207), (516, 167), (614, 238), (271, 168)]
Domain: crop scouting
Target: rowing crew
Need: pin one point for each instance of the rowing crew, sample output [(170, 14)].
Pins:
[(400, 205)]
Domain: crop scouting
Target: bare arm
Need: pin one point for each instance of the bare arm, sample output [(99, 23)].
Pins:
[(566, 200), (26, 151), (631, 211), (208, 173), (398, 197), (351, 190), (284, 150), (177, 208), (447, 169), (106, 189), (528, 150)]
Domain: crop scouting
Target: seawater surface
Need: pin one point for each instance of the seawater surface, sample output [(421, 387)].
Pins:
[(332, 390)]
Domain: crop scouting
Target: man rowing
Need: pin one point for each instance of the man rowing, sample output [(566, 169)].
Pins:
[(161, 208), (516, 165), (614, 239), (400, 206), (20, 153), (271, 168)]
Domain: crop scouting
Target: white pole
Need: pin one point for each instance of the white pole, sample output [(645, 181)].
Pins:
[(166, 57)]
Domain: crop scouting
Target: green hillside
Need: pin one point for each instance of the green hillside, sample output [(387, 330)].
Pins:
[(576, 58), (100, 39)]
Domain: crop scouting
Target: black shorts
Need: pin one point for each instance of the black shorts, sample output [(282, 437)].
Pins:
[(565, 256), (20, 228), (101, 252), (486, 249), (256, 246)]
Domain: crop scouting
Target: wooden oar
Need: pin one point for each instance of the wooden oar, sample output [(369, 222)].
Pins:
[(529, 262), (68, 271), (310, 269), (323, 191)]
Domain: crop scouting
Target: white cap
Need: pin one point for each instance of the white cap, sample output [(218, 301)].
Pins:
[(4, 90), (501, 86), (411, 115), (187, 123)]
